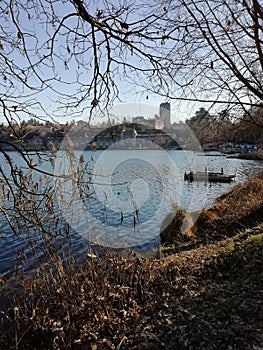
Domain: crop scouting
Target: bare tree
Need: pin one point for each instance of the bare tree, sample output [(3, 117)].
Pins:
[(74, 58), (72, 55), (62, 58), (66, 57), (219, 45)]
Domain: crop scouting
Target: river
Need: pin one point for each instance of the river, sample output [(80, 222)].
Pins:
[(120, 200)]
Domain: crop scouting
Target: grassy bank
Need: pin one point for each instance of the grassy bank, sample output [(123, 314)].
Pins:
[(251, 156), (205, 292)]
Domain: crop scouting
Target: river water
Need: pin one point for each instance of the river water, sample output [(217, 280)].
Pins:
[(120, 199)]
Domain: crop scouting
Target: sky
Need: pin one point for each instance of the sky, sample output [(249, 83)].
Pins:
[(132, 102)]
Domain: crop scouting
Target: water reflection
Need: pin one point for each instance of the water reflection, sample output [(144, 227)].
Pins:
[(132, 191)]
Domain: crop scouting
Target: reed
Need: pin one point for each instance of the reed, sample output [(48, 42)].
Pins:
[(207, 295)]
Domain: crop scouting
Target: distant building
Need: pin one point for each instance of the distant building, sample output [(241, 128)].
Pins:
[(142, 120), (165, 114), (139, 120)]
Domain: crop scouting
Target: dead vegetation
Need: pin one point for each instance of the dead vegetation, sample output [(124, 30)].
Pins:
[(234, 212), (206, 296)]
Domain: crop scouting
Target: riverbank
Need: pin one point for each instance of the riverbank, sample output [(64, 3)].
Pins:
[(204, 292), (247, 156), (251, 156)]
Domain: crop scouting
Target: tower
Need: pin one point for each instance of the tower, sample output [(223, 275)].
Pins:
[(165, 114)]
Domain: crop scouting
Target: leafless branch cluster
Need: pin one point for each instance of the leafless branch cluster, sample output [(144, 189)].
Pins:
[(218, 51), (73, 55), (78, 55)]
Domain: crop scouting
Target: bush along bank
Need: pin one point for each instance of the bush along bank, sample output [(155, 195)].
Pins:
[(205, 291)]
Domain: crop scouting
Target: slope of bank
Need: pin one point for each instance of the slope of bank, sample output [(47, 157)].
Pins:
[(251, 156), (233, 212), (205, 292)]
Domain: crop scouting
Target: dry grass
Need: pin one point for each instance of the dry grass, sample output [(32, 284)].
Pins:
[(241, 201), (236, 211), (206, 297)]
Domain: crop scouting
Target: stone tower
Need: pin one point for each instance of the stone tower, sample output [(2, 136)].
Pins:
[(165, 114)]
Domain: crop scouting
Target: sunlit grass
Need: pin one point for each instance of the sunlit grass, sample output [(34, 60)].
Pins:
[(205, 294)]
